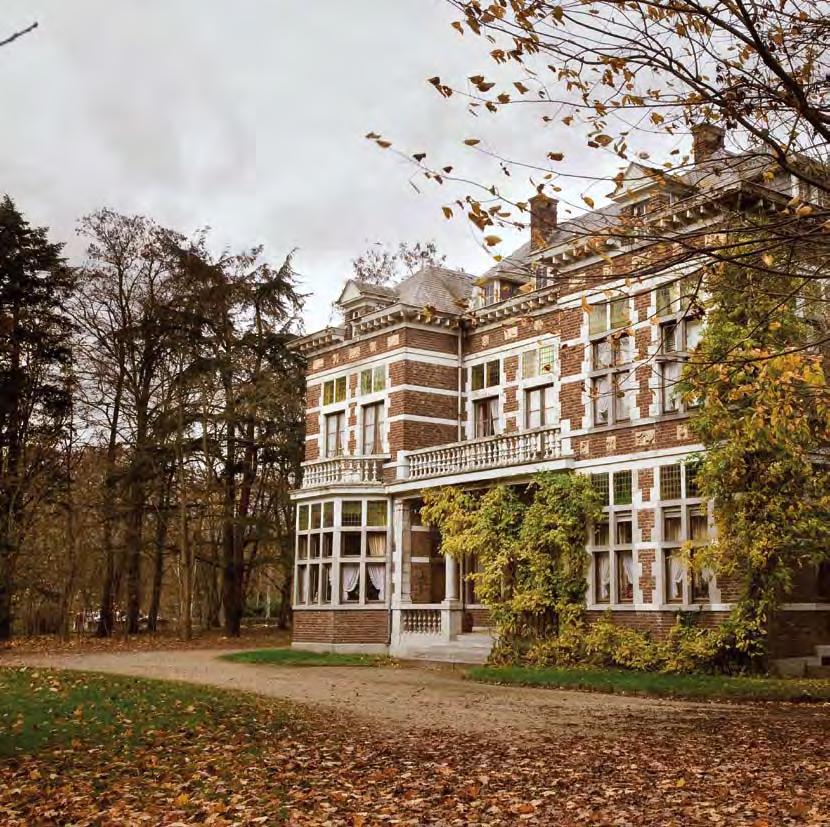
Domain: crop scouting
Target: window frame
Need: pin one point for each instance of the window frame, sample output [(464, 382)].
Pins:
[(615, 512), (378, 443), (681, 507), (330, 558), (618, 374)]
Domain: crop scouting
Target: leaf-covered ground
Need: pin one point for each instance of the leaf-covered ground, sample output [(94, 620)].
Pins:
[(126, 751)]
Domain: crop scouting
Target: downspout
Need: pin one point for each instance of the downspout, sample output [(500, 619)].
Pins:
[(460, 408)]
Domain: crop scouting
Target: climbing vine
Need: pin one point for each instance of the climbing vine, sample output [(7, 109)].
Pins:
[(530, 545)]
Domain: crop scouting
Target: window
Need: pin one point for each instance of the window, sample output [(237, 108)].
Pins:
[(679, 334), (607, 316), (622, 487), (486, 412), (375, 582), (540, 407), (372, 380), (301, 585), (352, 513), (350, 544), (315, 515), (328, 514), (313, 584), (328, 544), (302, 547), (350, 583), (314, 546), (611, 378), (376, 512), (612, 539), (302, 518), (334, 391), (602, 577), (376, 544), (325, 596), (670, 486), (373, 428), (336, 439), (491, 292), (684, 525), (486, 375), (538, 362)]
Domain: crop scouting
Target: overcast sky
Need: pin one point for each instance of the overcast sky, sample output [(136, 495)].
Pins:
[(249, 116)]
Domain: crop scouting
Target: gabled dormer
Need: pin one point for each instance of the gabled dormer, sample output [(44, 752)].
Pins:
[(359, 298), (641, 190)]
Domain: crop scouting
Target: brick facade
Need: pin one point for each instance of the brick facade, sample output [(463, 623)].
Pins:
[(332, 626)]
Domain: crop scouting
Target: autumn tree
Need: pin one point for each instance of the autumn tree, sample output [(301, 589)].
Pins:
[(763, 414), (381, 265), (35, 386), (124, 310)]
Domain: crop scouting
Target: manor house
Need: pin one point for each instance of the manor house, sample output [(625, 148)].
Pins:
[(566, 356)]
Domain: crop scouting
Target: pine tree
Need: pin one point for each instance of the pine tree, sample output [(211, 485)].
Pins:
[(35, 388)]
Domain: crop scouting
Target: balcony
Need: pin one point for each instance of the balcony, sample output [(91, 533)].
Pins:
[(499, 451), (355, 470)]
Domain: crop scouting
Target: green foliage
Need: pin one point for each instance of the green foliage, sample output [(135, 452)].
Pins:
[(733, 647), (298, 657), (531, 551), (764, 416), (628, 682)]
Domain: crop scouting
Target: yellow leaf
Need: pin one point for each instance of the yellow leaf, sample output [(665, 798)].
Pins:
[(556, 156), (804, 210), (384, 144), (181, 800), (588, 200), (472, 141), (447, 212), (492, 240)]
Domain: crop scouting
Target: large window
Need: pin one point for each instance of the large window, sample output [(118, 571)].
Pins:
[(681, 323), (373, 428), (486, 414), (336, 437), (684, 524), (611, 379), (342, 552), (611, 540)]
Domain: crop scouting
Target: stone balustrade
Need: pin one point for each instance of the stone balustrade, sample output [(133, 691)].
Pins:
[(490, 452), (345, 470)]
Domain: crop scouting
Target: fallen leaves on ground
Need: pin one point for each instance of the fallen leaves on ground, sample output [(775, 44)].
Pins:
[(251, 638), (263, 762)]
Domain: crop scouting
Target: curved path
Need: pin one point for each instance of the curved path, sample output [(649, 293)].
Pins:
[(413, 695)]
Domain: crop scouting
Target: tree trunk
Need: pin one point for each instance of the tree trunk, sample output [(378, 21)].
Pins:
[(158, 564), (5, 592), (133, 542)]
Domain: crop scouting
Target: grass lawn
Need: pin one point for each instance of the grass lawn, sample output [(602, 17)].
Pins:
[(650, 683), (75, 745), (299, 657)]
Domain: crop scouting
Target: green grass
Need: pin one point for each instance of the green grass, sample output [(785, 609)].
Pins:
[(650, 683), (298, 657), (41, 708)]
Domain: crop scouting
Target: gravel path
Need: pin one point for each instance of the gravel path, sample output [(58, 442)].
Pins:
[(412, 695)]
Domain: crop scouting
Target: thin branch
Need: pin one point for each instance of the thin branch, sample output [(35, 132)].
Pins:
[(11, 38)]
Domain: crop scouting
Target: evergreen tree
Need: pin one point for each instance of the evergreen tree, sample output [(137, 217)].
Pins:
[(35, 391)]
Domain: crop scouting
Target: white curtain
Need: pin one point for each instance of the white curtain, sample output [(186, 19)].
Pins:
[(302, 585), (494, 414), (602, 404), (628, 567), (351, 577), (676, 575), (377, 574), (604, 576), (377, 545)]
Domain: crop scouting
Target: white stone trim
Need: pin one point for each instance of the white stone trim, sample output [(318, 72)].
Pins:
[(435, 420)]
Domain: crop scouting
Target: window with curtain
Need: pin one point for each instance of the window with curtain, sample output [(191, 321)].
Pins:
[(375, 582), (680, 329), (336, 440), (376, 544), (373, 428), (611, 540), (611, 379), (602, 577), (314, 584), (350, 582), (625, 576), (540, 407), (326, 584), (684, 522), (486, 412)]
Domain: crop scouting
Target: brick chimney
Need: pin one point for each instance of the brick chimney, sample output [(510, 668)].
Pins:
[(542, 220), (707, 139)]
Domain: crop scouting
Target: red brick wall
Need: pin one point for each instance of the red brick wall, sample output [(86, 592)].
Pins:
[(796, 634), (423, 403), (657, 624), (412, 372), (341, 626)]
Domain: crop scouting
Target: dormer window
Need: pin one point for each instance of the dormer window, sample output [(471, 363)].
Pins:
[(491, 292)]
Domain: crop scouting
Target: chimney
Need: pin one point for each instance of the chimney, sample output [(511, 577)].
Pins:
[(542, 220), (707, 139)]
